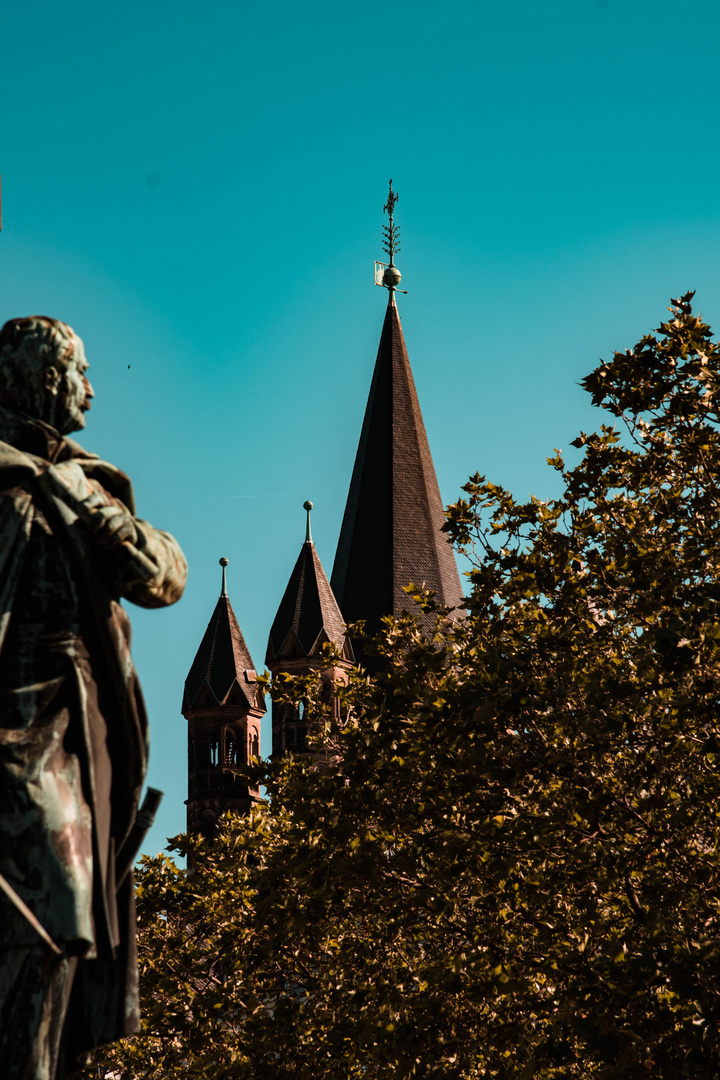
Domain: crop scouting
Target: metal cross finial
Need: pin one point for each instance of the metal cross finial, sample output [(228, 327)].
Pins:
[(223, 563), (308, 535)]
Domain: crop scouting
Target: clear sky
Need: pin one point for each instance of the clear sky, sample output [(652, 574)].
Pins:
[(198, 189)]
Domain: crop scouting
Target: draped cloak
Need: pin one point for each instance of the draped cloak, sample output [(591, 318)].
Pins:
[(73, 726)]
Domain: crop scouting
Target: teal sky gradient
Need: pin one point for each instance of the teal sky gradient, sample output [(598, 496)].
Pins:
[(198, 189)]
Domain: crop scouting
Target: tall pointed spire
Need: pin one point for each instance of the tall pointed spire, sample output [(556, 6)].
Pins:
[(391, 532)]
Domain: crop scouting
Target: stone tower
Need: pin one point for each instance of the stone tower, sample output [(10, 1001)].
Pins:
[(223, 707), (308, 618)]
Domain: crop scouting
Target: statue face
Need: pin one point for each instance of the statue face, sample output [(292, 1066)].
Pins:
[(74, 392)]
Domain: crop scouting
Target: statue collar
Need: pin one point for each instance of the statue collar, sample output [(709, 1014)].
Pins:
[(32, 436)]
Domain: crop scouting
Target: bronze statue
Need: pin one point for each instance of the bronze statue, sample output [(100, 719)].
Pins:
[(73, 729)]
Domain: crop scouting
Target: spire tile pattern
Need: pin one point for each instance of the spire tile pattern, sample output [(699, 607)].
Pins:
[(391, 534), (222, 672), (308, 615)]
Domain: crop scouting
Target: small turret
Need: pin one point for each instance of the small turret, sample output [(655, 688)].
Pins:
[(308, 618), (223, 706)]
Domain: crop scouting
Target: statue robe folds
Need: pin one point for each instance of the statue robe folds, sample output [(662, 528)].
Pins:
[(73, 727)]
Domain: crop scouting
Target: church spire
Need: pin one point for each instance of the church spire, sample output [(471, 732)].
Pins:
[(391, 531)]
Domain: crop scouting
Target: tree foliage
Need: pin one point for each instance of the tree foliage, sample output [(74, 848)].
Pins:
[(507, 865)]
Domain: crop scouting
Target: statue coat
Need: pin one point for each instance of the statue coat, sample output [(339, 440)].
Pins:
[(73, 726)]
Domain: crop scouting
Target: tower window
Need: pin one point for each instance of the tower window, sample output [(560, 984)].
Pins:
[(214, 749), (231, 748)]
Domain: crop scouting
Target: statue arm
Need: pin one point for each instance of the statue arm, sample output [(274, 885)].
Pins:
[(168, 585), (112, 522)]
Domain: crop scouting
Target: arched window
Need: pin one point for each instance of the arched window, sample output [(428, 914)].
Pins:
[(214, 746), (254, 744), (202, 753), (231, 747)]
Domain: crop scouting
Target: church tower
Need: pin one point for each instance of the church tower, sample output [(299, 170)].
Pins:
[(391, 532), (223, 706), (391, 536), (308, 618)]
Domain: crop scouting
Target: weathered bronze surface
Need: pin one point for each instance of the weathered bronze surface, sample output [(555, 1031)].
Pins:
[(73, 729)]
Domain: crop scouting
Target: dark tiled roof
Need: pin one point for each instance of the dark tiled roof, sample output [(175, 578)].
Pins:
[(222, 672), (308, 615), (390, 533)]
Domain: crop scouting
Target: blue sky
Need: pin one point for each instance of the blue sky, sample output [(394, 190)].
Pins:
[(198, 191)]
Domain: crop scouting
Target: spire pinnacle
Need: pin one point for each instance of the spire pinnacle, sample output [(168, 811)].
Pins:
[(389, 275), (307, 505), (223, 562), (392, 232)]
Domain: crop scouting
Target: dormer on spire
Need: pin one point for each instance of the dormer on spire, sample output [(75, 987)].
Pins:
[(223, 706), (308, 618)]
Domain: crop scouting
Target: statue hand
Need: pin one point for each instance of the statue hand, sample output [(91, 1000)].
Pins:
[(111, 525)]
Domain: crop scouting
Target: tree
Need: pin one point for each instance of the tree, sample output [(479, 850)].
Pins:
[(507, 864)]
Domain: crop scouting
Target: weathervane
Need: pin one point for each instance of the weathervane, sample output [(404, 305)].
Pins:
[(387, 274), (392, 232)]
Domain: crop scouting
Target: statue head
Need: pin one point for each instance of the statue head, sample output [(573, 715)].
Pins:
[(42, 372)]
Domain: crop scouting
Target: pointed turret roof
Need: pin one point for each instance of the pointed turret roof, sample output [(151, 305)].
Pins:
[(222, 672), (308, 615), (390, 533)]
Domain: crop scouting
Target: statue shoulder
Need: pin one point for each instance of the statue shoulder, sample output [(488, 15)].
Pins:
[(15, 465), (114, 480)]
